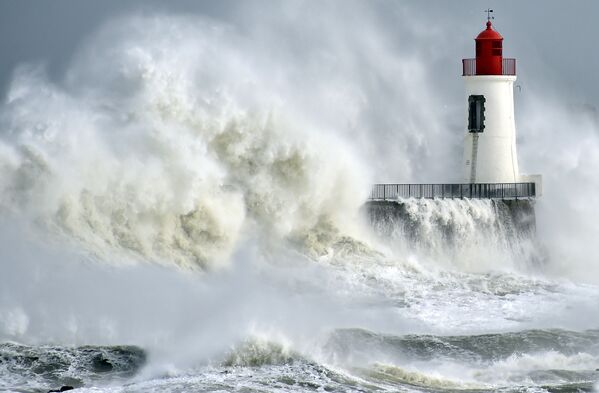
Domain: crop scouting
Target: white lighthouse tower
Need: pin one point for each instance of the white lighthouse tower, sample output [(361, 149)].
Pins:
[(490, 163), (490, 154)]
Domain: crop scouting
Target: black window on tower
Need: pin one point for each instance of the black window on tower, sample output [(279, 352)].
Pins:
[(476, 113)]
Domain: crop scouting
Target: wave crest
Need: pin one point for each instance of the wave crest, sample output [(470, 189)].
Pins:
[(170, 148)]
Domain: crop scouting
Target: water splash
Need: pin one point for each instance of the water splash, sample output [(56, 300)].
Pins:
[(469, 235), (169, 151)]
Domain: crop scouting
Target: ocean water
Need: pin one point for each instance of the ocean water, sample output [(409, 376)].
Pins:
[(174, 221), (355, 319)]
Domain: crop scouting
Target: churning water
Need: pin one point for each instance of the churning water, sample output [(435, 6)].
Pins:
[(169, 224)]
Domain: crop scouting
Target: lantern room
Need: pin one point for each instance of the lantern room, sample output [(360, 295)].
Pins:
[(489, 55), (489, 52)]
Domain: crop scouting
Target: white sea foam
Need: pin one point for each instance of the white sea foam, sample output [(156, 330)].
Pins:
[(527, 369), (168, 147), (465, 235)]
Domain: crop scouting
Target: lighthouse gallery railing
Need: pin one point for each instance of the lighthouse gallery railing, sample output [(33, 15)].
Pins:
[(508, 67), (476, 191)]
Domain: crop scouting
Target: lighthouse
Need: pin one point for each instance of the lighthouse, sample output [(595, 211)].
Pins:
[(490, 161), (490, 154)]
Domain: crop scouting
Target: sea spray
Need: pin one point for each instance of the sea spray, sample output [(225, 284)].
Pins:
[(168, 149), (177, 146), (455, 231)]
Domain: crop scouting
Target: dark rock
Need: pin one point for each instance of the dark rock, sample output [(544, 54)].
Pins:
[(62, 389)]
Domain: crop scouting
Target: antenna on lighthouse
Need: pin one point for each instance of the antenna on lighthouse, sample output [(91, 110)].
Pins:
[(489, 16)]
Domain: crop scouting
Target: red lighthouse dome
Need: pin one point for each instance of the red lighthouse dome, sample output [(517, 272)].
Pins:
[(489, 52), (489, 33), (489, 55)]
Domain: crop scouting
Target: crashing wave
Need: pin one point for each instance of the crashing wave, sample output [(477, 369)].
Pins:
[(171, 149), (469, 234), (23, 365)]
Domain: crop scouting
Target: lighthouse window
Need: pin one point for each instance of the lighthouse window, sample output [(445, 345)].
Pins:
[(476, 113), (497, 48)]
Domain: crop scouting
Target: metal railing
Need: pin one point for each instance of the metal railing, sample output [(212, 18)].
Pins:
[(385, 192), (508, 67), (468, 67)]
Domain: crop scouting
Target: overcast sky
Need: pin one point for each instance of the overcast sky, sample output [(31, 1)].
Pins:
[(558, 36)]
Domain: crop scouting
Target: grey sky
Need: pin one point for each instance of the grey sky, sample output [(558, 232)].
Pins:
[(557, 36)]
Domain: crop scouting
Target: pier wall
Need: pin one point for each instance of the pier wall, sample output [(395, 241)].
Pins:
[(458, 229)]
